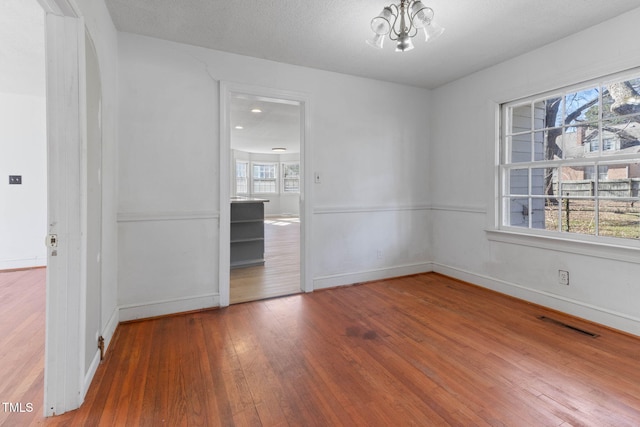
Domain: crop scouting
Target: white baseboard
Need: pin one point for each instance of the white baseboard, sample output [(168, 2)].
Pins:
[(610, 318), (164, 307), (603, 316), (369, 275), (110, 328), (12, 264), (88, 378), (107, 334)]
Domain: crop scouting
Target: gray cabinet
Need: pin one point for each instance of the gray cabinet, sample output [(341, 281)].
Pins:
[(247, 232)]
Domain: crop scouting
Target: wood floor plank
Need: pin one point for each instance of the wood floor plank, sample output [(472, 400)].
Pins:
[(280, 275), (22, 323), (418, 350)]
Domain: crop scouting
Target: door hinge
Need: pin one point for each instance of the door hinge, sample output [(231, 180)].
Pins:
[(101, 347)]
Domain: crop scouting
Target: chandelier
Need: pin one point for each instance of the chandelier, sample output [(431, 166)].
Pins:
[(402, 22)]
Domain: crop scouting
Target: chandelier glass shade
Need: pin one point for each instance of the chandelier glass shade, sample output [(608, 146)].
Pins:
[(401, 22)]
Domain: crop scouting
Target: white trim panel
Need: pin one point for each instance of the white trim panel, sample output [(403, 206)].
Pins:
[(570, 306), (110, 329), (66, 273), (166, 216), (323, 210), (60, 7), (35, 262), (465, 209), (88, 378), (168, 306), (369, 275), (567, 245), (366, 209)]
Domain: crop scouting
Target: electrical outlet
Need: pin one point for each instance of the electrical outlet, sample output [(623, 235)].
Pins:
[(563, 277), (15, 179), (380, 254)]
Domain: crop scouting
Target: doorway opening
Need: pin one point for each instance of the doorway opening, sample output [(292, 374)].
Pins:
[(23, 210), (265, 197), (264, 161)]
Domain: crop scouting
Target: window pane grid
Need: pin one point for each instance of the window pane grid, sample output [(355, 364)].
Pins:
[(264, 178), (553, 170), (242, 184), (291, 177)]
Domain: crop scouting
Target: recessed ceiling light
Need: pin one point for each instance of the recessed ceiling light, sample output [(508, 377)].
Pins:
[(239, 127), (256, 110), (278, 149)]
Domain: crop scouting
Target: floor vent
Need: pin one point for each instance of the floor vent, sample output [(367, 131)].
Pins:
[(564, 325)]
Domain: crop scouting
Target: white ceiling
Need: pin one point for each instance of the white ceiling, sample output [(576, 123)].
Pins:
[(277, 125), (331, 34), (326, 34)]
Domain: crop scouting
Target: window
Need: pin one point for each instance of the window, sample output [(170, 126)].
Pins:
[(570, 161), (291, 177), (608, 143), (264, 178), (242, 183)]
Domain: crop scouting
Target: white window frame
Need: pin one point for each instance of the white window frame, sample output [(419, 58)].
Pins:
[(274, 179), (603, 159), (246, 177), (283, 168)]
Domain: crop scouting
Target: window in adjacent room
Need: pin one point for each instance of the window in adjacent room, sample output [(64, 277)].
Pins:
[(242, 177), (291, 177), (264, 178), (570, 160)]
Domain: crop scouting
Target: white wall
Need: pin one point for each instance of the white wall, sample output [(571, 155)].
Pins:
[(23, 149), (373, 166), (604, 282), (23, 208)]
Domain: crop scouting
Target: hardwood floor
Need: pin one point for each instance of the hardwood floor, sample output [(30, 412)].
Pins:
[(280, 274), (22, 323), (418, 350)]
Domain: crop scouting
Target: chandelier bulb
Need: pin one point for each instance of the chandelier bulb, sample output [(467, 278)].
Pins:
[(376, 40), (404, 43), (432, 31), (401, 22)]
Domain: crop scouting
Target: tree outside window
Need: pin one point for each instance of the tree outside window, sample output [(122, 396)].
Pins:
[(570, 160)]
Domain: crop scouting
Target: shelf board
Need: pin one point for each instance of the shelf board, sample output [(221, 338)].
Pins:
[(252, 239), (245, 221)]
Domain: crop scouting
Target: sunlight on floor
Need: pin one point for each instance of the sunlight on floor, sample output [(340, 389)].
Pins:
[(282, 221), (280, 274)]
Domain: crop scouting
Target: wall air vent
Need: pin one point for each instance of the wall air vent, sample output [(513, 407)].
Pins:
[(565, 325)]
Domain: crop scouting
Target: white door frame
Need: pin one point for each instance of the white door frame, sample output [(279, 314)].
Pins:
[(227, 90), (66, 213)]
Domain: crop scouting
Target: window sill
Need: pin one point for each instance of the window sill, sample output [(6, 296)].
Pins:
[(604, 250)]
